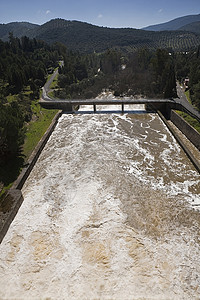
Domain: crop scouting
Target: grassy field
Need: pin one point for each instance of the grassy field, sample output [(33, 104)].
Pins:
[(54, 84), (187, 93), (40, 122), (35, 130), (192, 121), (37, 127)]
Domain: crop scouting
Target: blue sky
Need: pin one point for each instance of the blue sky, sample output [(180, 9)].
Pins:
[(110, 13)]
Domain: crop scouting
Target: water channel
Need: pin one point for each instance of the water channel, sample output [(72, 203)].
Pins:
[(110, 211)]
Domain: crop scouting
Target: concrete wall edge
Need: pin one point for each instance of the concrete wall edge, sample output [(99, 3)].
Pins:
[(181, 143), (15, 191), (18, 184)]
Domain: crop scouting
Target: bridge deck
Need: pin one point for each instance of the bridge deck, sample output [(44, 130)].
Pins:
[(71, 105), (104, 101)]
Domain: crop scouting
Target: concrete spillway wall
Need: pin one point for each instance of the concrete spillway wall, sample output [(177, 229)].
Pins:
[(14, 198), (186, 129), (179, 140), (18, 184)]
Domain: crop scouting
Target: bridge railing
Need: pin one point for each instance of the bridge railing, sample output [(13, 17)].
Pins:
[(164, 105)]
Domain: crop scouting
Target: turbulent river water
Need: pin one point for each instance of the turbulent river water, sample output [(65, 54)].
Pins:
[(110, 211)]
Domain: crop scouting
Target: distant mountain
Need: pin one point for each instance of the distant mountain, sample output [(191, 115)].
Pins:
[(192, 27), (84, 37), (175, 24), (17, 28)]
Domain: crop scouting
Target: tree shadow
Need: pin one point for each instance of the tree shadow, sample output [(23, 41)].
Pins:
[(10, 169)]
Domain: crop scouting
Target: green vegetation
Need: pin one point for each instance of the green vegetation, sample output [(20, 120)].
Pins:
[(75, 35), (188, 65), (187, 93), (36, 128), (24, 66), (144, 72), (87, 38), (54, 84), (11, 139), (192, 121)]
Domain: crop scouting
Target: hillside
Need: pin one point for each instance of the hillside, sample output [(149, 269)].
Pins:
[(192, 27), (17, 28), (175, 24), (87, 38)]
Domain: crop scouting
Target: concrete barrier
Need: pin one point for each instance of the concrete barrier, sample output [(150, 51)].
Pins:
[(181, 143), (18, 184), (192, 135)]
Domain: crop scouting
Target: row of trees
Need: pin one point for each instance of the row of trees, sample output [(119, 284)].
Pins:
[(144, 72), (23, 65), (11, 130), (25, 62)]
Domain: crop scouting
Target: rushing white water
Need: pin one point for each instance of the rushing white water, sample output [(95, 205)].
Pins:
[(108, 213)]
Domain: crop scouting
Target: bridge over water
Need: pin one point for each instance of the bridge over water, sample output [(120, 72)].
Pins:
[(163, 105), (70, 105)]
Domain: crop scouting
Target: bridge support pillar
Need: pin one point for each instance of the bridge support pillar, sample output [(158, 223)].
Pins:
[(149, 107), (164, 108)]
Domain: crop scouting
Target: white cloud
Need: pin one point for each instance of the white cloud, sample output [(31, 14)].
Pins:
[(100, 16), (48, 12), (160, 10)]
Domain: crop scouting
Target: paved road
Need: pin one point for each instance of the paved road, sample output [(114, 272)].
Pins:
[(49, 82), (183, 100)]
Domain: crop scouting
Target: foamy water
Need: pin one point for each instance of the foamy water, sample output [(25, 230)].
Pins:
[(109, 212)]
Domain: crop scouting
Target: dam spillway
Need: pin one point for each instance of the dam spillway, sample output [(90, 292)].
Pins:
[(108, 213)]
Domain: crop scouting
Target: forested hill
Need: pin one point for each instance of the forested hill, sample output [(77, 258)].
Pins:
[(18, 29), (87, 38)]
